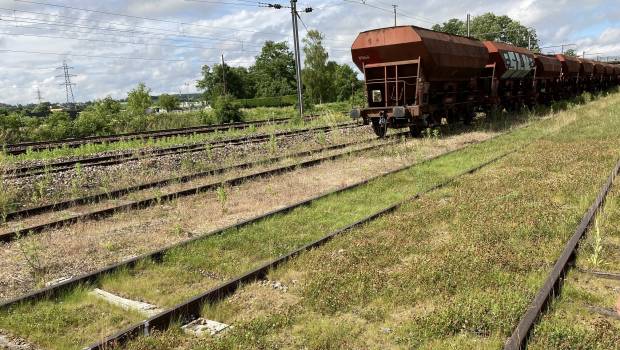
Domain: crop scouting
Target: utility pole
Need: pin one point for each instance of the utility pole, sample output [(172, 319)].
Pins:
[(529, 39), (300, 97), (394, 6), (68, 84), (468, 20), (294, 15), (224, 74)]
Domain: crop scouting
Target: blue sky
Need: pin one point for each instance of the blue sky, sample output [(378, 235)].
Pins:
[(111, 53)]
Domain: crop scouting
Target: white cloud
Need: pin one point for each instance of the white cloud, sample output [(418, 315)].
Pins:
[(593, 27)]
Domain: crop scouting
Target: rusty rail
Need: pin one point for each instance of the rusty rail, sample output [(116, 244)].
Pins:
[(55, 290), (23, 147), (95, 198), (131, 155), (553, 283), (191, 308), (14, 234)]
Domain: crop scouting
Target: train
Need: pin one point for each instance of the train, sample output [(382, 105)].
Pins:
[(419, 78)]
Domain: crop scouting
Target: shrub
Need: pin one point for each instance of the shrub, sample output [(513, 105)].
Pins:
[(226, 110)]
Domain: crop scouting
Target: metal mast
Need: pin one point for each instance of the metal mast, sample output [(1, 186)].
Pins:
[(68, 84), (39, 97), (300, 98)]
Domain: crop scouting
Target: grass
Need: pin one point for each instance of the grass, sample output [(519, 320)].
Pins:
[(327, 118), (569, 324), (352, 283), (455, 269)]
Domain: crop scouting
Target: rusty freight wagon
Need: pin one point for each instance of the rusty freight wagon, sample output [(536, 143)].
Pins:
[(416, 77)]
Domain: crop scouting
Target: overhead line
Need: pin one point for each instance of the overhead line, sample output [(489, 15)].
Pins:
[(9, 19), (114, 23), (140, 17), (93, 56), (125, 42)]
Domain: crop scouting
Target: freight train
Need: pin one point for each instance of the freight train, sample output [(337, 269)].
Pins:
[(420, 78)]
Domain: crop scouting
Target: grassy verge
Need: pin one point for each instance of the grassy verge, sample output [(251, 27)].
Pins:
[(570, 324), (326, 118), (455, 269), (187, 271)]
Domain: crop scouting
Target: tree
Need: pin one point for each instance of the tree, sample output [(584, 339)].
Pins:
[(226, 110), (274, 70), (138, 100), (99, 118), (452, 26), (316, 73), (345, 81), (168, 102), (570, 52), (239, 83), (492, 27)]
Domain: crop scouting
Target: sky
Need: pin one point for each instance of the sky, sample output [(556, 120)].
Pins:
[(113, 45)]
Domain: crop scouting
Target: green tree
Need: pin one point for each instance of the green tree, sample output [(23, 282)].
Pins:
[(492, 27), (274, 70), (226, 110), (138, 100), (570, 52), (57, 126), (317, 76), (99, 118), (239, 83), (345, 81), (42, 110), (168, 102), (452, 26)]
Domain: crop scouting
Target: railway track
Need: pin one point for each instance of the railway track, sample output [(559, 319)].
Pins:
[(191, 309), (92, 277), (553, 283), (95, 198), (126, 156), (23, 147), (18, 230)]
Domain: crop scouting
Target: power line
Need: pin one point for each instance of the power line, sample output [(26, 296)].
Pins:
[(68, 54), (140, 17), (8, 19), (122, 42), (177, 32)]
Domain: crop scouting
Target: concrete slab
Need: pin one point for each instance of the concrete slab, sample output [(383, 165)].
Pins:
[(57, 281), (202, 326), (127, 304)]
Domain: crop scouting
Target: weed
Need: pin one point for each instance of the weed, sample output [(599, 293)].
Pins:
[(222, 197), (597, 246), (321, 138), (272, 144), (30, 250)]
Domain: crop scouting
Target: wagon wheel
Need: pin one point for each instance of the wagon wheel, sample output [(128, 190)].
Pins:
[(415, 130)]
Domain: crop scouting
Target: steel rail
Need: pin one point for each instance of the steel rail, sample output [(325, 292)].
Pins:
[(23, 147), (191, 309), (57, 289), (553, 283), (14, 234), (95, 198), (127, 156)]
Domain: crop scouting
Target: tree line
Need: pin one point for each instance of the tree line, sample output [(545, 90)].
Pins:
[(273, 74)]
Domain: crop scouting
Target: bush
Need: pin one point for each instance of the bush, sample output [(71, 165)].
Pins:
[(226, 110)]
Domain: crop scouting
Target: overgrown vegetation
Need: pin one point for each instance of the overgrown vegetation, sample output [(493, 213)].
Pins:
[(440, 243), (570, 324)]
